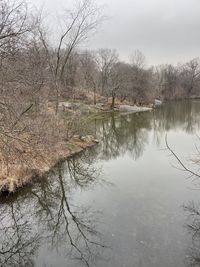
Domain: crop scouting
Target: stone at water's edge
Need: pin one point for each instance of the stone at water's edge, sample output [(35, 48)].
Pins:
[(157, 102), (133, 108)]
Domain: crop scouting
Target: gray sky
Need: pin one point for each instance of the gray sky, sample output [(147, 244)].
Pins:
[(166, 31)]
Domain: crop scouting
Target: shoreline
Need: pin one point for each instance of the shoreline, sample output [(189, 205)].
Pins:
[(72, 147), (23, 175)]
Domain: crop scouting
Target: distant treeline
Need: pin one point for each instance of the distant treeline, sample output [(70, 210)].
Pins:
[(38, 63)]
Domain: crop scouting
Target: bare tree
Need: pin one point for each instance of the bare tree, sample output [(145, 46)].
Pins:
[(140, 77), (106, 58), (13, 25), (90, 72), (168, 81), (138, 59), (77, 25), (120, 82), (190, 76)]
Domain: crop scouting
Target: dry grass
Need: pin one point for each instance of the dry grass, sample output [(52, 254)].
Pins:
[(18, 173), (37, 142)]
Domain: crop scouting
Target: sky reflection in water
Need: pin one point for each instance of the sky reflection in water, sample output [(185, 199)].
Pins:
[(121, 203)]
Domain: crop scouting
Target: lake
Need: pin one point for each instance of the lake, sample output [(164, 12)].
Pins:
[(126, 202)]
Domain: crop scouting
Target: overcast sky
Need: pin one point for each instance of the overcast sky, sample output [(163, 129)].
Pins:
[(166, 31)]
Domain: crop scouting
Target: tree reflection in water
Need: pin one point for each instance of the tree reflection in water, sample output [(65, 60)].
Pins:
[(193, 226), (130, 133), (122, 134), (43, 215), (19, 242)]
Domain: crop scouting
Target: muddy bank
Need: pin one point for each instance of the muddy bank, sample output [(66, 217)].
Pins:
[(22, 175)]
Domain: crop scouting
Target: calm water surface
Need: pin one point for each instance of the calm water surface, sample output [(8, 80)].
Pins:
[(122, 203)]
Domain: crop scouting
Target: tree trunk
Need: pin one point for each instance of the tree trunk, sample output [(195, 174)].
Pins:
[(95, 101), (113, 100)]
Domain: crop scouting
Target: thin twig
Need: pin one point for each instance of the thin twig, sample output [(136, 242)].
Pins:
[(178, 159)]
